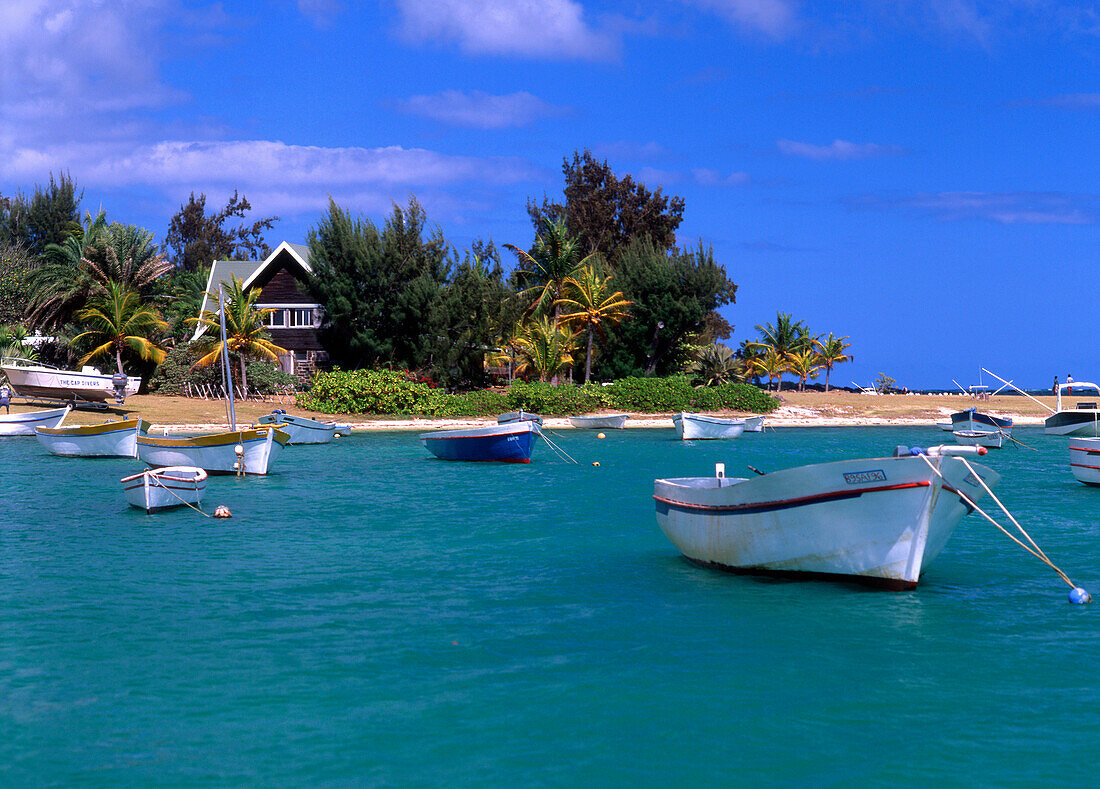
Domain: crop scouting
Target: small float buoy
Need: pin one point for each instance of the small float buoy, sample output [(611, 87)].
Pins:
[(600, 435), (595, 463), (222, 511), (1077, 596)]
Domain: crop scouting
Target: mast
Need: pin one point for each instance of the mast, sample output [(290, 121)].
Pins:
[(225, 359)]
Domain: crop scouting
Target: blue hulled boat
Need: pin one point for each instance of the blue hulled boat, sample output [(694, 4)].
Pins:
[(974, 420), (509, 443)]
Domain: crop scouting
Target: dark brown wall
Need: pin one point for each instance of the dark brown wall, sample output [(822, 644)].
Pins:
[(282, 288), (296, 339), (279, 285)]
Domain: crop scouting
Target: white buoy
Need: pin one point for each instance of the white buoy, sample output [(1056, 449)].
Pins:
[(1078, 596), (600, 435), (222, 511)]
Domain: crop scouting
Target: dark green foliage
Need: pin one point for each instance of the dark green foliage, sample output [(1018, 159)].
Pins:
[(179, 298), (15, 264), (482, 402), (676, 393), (548, 400), (380, 289), (177, 370), (48, 216), (197, 239), (678, 289), (266, 378), (368, 392), (606, 212)]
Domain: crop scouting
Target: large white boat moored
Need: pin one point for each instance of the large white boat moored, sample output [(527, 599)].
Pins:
[(217, 453), (32, 379), (24, 423), (692, 426), (108, 440), (880, 521), (1084, 420)]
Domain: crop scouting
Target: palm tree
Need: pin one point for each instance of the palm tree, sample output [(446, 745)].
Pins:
[(831, 352), (786, 336), (805, 364), (716, 364), (12, 345), (118, 320), (125, 254), (750, 352), (244, 330), (770, 363), (592, 307), (61, 285), (542, 272), (545, 348)]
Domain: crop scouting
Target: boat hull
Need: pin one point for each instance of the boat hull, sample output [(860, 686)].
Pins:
[(160, 489), (519, 416), (215, 453), (973, 420), (700, 426), (301, 430), (107, 440), (608, 422), (1081, 422), (511, 442), (879, 521), (754, 424), (1084, 460), (33, 381), (980, 438), (25, 423)]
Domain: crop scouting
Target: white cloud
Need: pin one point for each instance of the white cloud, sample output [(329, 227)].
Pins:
[(708, 177), (480, 110), (544, 29), (321, 12), (838, 149), (774, 18), (1008, 208)]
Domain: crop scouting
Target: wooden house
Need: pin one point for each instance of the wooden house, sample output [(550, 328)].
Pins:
[(295, 318)]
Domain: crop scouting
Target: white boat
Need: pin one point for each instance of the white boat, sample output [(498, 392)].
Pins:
[(1084, 460), (217, 453), (161, 488), (32, 379), (603, 422), (343, 430), (754, 424), (25, 422), (974, 420), (990, 439), (692, 426), (519, 416), (946, 426), (108, 440), (880, 521), (1084, 420), (301, 430)]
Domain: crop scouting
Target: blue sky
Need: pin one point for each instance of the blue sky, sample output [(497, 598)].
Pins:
[(921, 176)]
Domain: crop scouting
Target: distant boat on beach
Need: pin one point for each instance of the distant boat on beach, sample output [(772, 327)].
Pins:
[(701, 426), (603, 422), (33, 379)]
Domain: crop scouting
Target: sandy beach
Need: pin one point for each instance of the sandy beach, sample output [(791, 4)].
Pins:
[(798, 409)]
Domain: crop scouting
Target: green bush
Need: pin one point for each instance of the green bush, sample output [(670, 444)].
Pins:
[(547, 400), (676, 393), (174, 373), (265, 378), (481, 402), (369, 392)]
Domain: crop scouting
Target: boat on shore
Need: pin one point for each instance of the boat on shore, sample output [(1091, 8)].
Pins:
[(990, 439), (89, 385), (974, 420), (519, 416), (601, 422), (217, 453), (116, 439), (162, 488), (301, 430), (25, 422), (510, 442), (700, 426), (878, 521)]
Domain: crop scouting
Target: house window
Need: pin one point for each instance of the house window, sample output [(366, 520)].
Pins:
[(301, 317), (275, 319)]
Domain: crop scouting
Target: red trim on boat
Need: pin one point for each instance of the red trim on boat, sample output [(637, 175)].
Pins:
[(839, 494)]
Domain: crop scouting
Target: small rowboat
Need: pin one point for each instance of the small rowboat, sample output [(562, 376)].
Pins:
[(605, 422), (507, 443), (217, 453), (162, 488), (108, 440), (519, 416), (301, 430), (879, 521), (754, 424), (24, 424), (974, 420), (692, 426), (990, 439)]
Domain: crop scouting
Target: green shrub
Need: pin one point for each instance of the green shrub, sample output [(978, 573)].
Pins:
[(265, 378), (174, 373), (481, 402), (368, 392), (547, 400), (676, 393)]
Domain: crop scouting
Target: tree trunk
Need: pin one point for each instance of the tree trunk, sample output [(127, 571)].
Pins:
[(118, 359), (244, 379), (588, 357), (826, 379)]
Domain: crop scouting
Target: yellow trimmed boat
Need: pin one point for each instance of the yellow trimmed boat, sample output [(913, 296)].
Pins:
[(235, 452), (108, 440)]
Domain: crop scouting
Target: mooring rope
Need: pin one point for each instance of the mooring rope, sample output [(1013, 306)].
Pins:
[(1033, 549), (557, 449), (156, 481)]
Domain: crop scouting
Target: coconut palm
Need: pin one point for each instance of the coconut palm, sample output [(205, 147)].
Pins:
[(590, 304), (545, 348), (12, 345), (832, 351), (542, 272), (716, 364), (786, 336), (118, 321), (61, 285), (804, 364), (771, 364), (244, 330)]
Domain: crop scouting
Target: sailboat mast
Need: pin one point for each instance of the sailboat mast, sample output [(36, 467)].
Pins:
[(225, 359)]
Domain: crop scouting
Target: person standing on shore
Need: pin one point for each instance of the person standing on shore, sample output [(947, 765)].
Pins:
[(5, 398), (1056, 386), (1069, 384)]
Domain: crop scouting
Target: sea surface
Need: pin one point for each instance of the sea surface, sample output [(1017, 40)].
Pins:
[(372, 616)]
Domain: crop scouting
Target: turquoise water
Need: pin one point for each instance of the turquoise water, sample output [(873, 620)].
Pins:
[(372, 616)]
